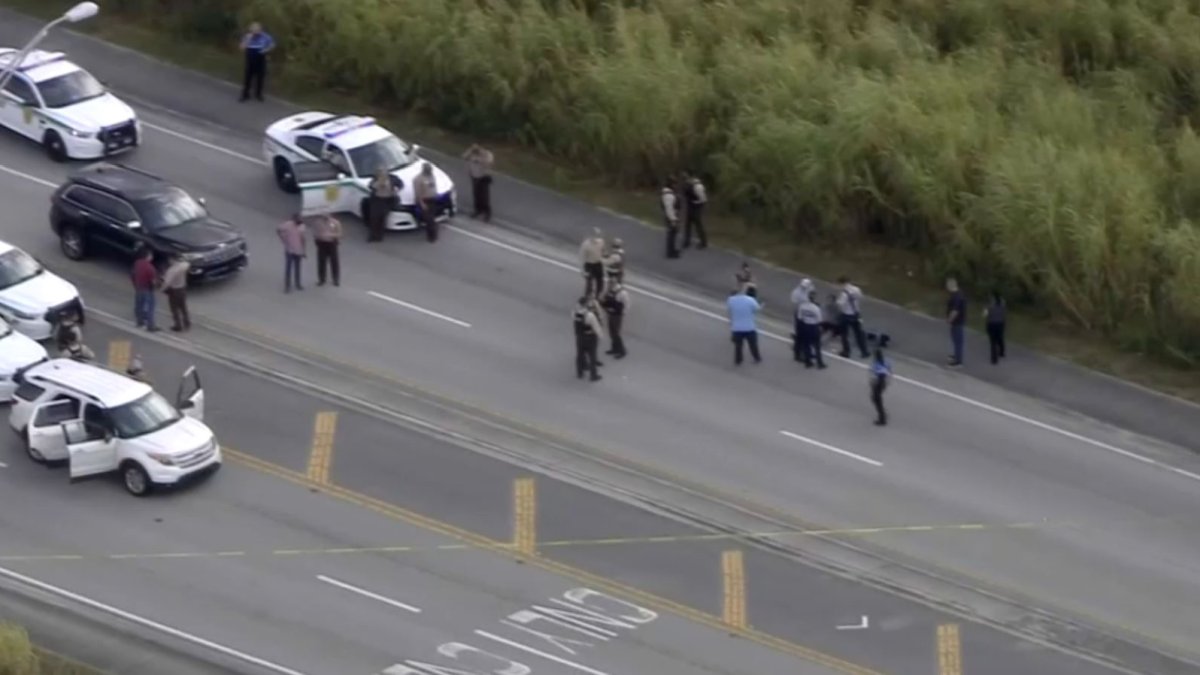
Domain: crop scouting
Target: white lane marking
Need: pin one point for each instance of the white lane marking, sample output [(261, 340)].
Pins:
[(28, 177), (865, 623), (415, 308), (826, 446), (536, 652), (368, 594), (3, 465), (719, 317), (148, 623)]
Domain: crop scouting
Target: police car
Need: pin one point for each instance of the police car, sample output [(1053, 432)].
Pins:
[(34, 300), (60, 105), (330, 160)]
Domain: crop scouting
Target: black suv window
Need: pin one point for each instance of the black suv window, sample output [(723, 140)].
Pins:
[(101, 203), (18, 87), (169, 208)]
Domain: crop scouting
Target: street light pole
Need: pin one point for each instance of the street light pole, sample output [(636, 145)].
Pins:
[(81, 12)]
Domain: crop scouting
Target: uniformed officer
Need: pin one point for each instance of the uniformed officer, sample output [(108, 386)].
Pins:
[(881, 374), (75, 349), (669, 201), (614, 264), (591, 259), (587, 339), (425, 193), (808, 331), (256, 44), (615, 303)]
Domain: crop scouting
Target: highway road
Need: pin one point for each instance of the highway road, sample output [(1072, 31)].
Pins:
[(340, 541), (1080, 527)]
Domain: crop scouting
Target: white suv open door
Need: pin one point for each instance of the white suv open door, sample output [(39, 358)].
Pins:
[(92, 450), (325, 190), (190, 399), (44, 433)]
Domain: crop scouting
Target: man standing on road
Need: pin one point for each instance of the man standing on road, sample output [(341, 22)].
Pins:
[(174, 284), (742, 311), (145, 282), (881, 374), (327, 235), (256, 44), (591, 257), (995, 316), (615, 303), (425, 192), (479, 166), (669, 201), (697, 198), (808, 327), (379, 203), (292, 233), (850, 318), (956, 316), (587, 339), (614, 264)]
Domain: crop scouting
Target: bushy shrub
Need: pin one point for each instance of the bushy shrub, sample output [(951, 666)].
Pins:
[(1043, 147), (16, 653)]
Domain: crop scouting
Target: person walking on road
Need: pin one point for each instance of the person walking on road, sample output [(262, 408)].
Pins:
[(327, 237), (808, 330), (995, 317), (669, 200), (614, 264), (697, 198), (255, 45), (956, 317), (742, 310), (850, 318), (479, 166), (591, 257), (587, 339), (145, 282), (425, 192), (293, 234), (881, 374), (616, 303), (380, 202), (174, 285)]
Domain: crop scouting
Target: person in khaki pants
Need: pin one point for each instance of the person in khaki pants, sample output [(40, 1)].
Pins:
[(174, 284), (327, 234)]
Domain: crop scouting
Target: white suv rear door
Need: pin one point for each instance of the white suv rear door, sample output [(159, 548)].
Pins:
[(45, 433)]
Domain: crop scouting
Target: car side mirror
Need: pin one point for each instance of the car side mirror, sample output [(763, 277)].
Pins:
[(341, 176), (134, 224), (416, 148), (203, 201)]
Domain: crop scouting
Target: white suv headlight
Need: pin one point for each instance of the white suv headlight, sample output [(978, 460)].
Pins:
[(162, 458)]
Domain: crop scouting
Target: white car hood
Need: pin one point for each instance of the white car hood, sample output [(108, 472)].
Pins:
[(408, 174), (94, 114), (18, 351), (180, 438), (39, 294)]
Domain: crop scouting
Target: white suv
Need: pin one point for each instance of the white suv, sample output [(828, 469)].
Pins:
[(17, 353), (32, 299), (101, 421)]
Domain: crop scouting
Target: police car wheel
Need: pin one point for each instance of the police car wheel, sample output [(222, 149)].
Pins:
[(56, 149), (284, 177)]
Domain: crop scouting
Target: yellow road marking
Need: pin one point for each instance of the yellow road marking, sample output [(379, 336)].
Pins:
[(321, 454), (525, 516), (119, 354), (949, 650), (733, 581)]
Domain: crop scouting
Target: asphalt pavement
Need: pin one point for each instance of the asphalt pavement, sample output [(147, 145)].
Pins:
[(278, 558), (1067, 516)]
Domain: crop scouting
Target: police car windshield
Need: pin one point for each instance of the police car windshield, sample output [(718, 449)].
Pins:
[(145, 415), (69, 89), (17, 266), (389, 153), (169, 208)]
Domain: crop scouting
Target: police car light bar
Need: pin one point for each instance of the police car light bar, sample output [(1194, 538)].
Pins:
[(350, 126)]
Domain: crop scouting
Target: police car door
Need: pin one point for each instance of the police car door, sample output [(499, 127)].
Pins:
[(325, 189), (18, 107)]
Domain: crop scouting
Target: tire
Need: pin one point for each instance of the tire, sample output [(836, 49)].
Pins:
[(135, 479), (284, 177), (55, 148), (32, 454), (73, 242)]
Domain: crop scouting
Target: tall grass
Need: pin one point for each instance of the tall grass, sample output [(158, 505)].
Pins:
[(1042, 147)]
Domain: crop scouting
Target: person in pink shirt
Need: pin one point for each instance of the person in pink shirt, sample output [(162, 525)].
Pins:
[(293, 234)]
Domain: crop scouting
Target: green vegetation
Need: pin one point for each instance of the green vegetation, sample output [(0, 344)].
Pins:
[(1044, 148), (19, 657)]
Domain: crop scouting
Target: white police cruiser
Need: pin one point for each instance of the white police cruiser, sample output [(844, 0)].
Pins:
[(60, 105), (17, 354), (33, 299), (330, 160)]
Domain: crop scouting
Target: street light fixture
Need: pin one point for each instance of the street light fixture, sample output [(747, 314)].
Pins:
[(81, 12)]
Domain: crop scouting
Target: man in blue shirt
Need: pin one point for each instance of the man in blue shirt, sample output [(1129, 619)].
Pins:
[(956, 316), (256, 44), (881, 374), (742, 311)]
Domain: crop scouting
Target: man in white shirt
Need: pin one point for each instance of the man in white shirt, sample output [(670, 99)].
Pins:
[(591, 257), (850, 318), (670, 208), (174, 284)]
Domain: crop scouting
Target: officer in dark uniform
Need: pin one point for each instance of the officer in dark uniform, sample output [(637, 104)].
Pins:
[(881, 375), (614, 264), (587, 339), (808, 332), (616, 301)]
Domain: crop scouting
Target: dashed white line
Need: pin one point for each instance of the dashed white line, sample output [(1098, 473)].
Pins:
[(368, 594), (3, 465), (826, 446), (205, 144), (26, 176), (537, 652), (416, 308), (148, 623)]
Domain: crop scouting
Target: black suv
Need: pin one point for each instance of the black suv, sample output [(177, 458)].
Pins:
[(123, 209)]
